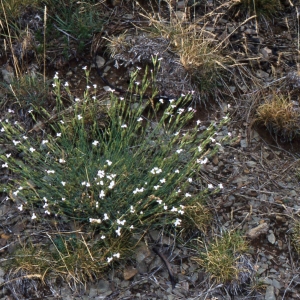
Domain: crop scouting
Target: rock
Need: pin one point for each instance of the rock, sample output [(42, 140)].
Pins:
[(129, 272), (103, 287), (244, 143), (100, 61), (142, 252), (8, 74), (271, 238), (257, 231), (270, 294)]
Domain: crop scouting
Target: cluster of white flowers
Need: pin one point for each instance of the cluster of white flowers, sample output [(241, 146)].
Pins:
[(156, 170), (98, 221)]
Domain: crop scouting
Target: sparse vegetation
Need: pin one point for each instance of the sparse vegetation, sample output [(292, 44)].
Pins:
[(93, 163)]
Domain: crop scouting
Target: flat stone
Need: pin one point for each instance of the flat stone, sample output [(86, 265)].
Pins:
[(270, 294), (276, 284), (103, 286), (129, 272), (271, 238), (257, 231), (100, 61)]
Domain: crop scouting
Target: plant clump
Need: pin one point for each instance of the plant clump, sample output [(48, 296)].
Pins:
[(225, 260), (280, 116), (116, 180)]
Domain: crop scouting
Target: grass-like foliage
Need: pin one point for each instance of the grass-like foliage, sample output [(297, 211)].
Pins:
[(222, 258), (279, 116), (133, 174)]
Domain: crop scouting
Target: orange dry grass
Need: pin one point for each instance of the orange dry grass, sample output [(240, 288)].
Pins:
[(279, 115)]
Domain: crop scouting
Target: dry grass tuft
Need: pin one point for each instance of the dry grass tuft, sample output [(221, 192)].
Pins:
[(279, 116)]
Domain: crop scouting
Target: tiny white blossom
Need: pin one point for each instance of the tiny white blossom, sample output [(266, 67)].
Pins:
[(95, 143), (87, 184), (159, 201), (161, 100), (95, 86), (79, 117), (5, 165), (45, 142), (20, 208), (61, 160), (108, 162), (112, 184), (210, 186), (174, 209), (56, 75), (171, 100), (165, 207), (102, 237), (176, 171), (2, 129), (177, 222), (58, 134), (118, 231), (63, 183), (156, 187), (31, 149), (109, 259), (132, 209), (63, 199), (33, 216), (220, 185), (188, 195), (124, 126), (229, 134), (101, 173), (190, 180), (117, 255), (16, 142), (101, 194), (163, 180), (67, 83), (131, 227), (88, 87), (47, 212), (106, 217), (181, 211), (77, 99), (98, 221), (140, 119), (84, 68), (179, 150)]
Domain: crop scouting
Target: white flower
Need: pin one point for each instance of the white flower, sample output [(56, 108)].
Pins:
[(229, 134), (47, 212), (63, 183), (121, 98), (5, 165), (2, 129), (62, 122), (106, 217), (102, 237), (220, 185), (45, 205), (163, 180), (161, 100), (50, 171), (179, 150), (45, 142), (31, 149), (118, 231), (174, 209), (77, 99), (190, 180), (58, 134), (140, 119), (67, 83), (156, 187), (124, 126), (156, 170), (212, 139), (33, 216), (199, 148), (181, 211), (101, 194), (109, 259), (171, 100), (101, 173), (95, 86), (159, 201), (119, 222), (83, 183), (177, 222), (95, 143), (131, 227), (79, 117), (225, 118), (108, 162), (16, 142), (137, 190), (54, 84), (20, 208), (176, 171), (88, 87), (137, 83), (56, 75), (98, 221), (11, 111), (210, 186), (84, 68), (180, 111), (112, 184), (188, 195), (63, 199), (61, 160), (176, 133), (25, 137), (165, 207), (117, 255), (132, 209)]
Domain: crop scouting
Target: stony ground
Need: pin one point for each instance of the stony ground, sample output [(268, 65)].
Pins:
[(260, 195)]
